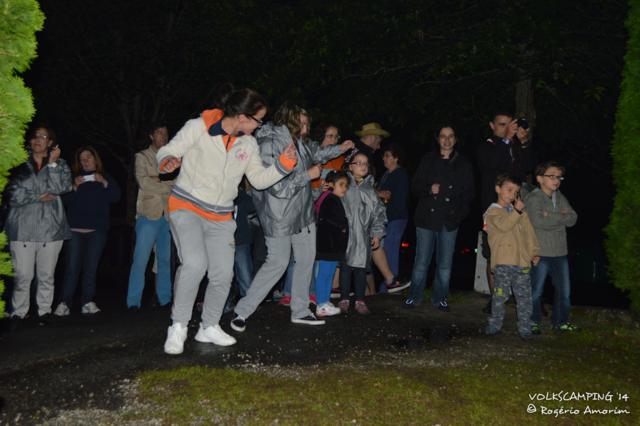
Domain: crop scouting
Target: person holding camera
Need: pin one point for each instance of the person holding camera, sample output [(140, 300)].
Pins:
[(88, 208), (508, 151), (37, 225)]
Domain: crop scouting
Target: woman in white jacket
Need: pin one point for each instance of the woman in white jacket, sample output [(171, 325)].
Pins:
[(214, 152)]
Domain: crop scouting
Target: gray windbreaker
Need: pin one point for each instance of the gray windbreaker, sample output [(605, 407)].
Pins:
[(286, 207), (367, 218), (30, 219)]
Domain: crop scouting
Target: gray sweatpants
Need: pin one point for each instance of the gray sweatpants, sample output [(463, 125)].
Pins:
[(29, 257), (509, 280), (278, 254), (203, 246)]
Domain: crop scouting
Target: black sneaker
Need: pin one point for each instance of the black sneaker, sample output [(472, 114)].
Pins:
[(444, 306), (308, 320), (238, 323), (487, 309), (45, 319)]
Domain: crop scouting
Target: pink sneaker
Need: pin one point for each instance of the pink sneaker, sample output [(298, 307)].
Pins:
[(285, 300), (344, 306), (361, 308)]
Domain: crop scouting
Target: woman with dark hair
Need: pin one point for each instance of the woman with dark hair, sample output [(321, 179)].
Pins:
[(286, 214), (326, 135), (37, 225), (214, 152), (88, 207), (394, 191), (443, 185)]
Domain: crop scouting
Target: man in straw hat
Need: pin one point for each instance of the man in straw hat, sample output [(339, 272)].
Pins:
[(371, 136)]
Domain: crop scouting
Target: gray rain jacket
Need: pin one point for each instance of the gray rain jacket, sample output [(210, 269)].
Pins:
[(30, 219), (286, 207), (367, 218)]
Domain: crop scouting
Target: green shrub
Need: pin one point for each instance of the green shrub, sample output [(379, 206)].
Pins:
[(623, 232)]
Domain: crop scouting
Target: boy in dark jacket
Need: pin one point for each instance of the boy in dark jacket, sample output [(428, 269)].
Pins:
[(331, 240)]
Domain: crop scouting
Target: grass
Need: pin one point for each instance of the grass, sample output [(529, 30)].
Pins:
[(475, 381)]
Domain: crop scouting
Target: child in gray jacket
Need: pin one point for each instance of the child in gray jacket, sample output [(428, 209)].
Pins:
[(551, 214), (367, 217)]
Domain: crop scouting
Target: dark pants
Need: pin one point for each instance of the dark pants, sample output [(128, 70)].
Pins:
[(359, 281), (84, 251)]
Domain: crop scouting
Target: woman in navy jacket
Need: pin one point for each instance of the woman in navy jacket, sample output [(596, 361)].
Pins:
[(88, 207), (444, 188)]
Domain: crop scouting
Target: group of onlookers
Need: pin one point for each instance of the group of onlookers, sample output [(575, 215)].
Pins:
[(325, 218)]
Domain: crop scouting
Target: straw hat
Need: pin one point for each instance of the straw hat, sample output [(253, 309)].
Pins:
[(372, 129)]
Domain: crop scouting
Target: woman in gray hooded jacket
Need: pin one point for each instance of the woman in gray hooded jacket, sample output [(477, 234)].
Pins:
[(286, 214), (36, 225)]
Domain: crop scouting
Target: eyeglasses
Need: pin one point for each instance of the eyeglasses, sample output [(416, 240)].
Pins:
[(257, 120), (554, 177), (43, 137), (360, 163)]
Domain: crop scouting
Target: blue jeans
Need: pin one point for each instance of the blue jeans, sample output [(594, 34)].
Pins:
[(148, 233), (84, 251), (392, 241), (444, 242), (558, 268), (243, 273), (324, 281)]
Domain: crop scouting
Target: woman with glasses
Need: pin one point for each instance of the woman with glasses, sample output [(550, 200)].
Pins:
[(443, 185), (213, 152), (328, 135), (37, 225)]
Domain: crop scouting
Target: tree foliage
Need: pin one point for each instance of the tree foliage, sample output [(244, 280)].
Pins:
[(19, 21), (623, 243)]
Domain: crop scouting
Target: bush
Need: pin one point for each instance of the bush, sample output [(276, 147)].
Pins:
[(623, 232), (19, 21)]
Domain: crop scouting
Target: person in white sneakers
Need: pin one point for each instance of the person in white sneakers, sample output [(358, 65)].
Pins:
[(214, 152), (37, 224), (88, 208), (331, 240)]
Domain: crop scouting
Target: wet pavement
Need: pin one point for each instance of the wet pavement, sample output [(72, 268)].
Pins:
[(78, 362)]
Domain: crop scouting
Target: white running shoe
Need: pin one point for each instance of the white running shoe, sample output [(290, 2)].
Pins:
[(214, 334), (90, 308), (327, 310), (62, 310), (176, 335)]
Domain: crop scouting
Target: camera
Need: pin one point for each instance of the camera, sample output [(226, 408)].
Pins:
[(89, 178), (523, 123)]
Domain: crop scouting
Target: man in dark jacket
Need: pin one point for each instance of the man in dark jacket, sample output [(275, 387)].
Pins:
[(508, 150)]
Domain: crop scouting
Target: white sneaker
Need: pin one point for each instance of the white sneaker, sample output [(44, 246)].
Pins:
[(62, 310), (176, 335), (214, 334), (90, 308), (327, 310)]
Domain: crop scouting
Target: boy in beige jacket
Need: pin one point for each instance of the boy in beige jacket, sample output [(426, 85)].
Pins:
[(514, 248)]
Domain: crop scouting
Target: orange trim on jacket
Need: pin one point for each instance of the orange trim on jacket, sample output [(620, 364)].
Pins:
[(336, 164), (211, 117), (176, 203)]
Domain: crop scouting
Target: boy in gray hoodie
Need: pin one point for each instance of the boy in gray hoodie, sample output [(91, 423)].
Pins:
[(551, 214)]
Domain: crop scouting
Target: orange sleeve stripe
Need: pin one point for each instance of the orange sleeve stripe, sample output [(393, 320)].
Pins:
[(176, 204), (163, 164), (287, 163)]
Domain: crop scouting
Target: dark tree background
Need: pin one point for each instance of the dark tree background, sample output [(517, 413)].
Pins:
[(107, 69)]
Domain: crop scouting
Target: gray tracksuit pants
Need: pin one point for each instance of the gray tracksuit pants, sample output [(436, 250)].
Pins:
[(203, 246), (29, 257), (509, 280), (279, 249)]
